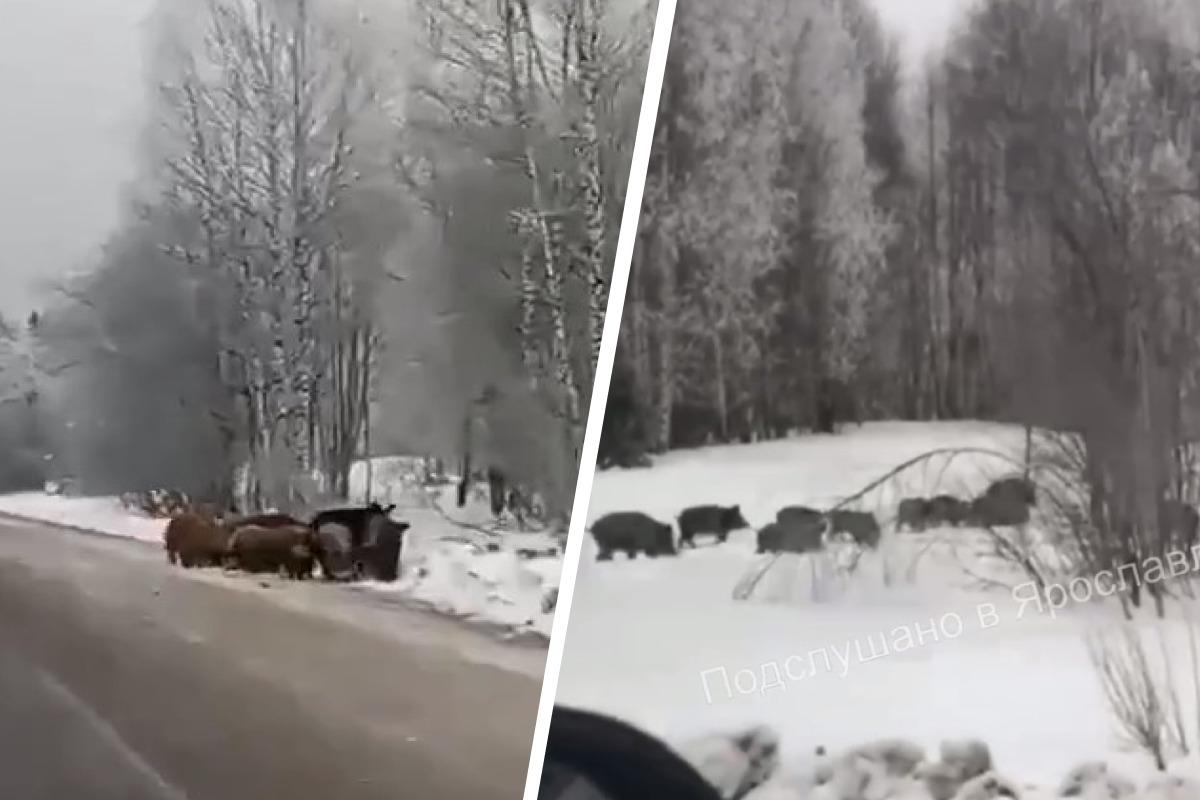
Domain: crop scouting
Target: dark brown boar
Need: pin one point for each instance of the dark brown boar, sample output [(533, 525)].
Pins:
[(860, 525), (710, 519), (195, 540), (289, 549), (380, 554), (632, 532), (913, 514)]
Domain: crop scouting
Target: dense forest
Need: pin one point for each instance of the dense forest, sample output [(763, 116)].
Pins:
[(1008, 233)]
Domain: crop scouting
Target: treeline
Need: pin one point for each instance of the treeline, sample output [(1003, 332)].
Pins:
[(352, 232), (1009, 234)]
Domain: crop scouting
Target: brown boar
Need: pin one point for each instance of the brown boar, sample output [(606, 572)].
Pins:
[(194, 540), (290, 550)]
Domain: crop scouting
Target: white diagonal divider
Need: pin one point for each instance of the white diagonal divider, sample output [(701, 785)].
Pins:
[(626, 240)]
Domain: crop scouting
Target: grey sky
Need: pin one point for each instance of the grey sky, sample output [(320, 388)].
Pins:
[(921, 24), (71, 89)]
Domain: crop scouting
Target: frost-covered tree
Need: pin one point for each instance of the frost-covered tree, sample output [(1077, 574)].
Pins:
[(263, 110), (764, 237), (361, 220), (534, 98)]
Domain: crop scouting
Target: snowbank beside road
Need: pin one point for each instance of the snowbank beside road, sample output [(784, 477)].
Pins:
[(498, 588), (95, 514), (450, 570)]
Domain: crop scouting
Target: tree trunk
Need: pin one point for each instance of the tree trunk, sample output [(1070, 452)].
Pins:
[(666, 389), (364, 419), (530, 296), (933, 234), (636, 340), (719, 385), (1028, 450), (549, 227), (587, 39)]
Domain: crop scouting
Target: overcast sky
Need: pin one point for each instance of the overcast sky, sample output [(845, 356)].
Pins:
[(921, 24), (71, 93)]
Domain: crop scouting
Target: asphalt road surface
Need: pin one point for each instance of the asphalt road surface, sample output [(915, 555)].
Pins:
[(124, 679)]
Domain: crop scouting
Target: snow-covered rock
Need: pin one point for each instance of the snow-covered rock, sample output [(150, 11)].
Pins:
[(734, 763)]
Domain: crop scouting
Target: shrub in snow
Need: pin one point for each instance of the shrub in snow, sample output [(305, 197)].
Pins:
[(1093, 779), (843, 552), (1142, 698), (803, 578), (735, 764)]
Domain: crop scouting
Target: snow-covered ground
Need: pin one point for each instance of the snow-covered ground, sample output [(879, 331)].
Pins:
[(444, 565), (652, 640), (447, 566)]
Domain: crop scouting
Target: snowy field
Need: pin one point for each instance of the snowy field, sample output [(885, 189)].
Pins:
[(651, 640), (445, 566)]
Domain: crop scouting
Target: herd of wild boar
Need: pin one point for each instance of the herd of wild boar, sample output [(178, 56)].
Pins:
[(799, 529), (347, 543)]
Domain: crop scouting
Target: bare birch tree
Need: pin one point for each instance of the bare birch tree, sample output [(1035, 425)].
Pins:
[(265, 108)]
